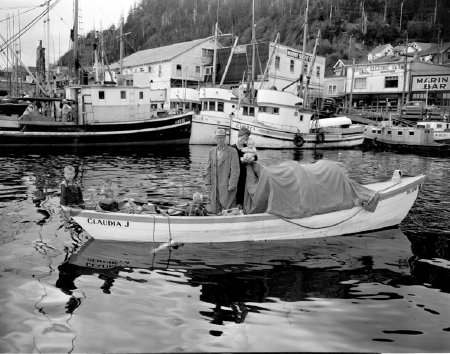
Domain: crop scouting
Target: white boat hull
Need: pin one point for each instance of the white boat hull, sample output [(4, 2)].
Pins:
[(266, 136), (204, 127), (397, 198)]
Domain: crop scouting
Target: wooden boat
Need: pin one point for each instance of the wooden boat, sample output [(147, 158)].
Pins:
[(101, 115), (417, 139), (441, 129), (396, 197)]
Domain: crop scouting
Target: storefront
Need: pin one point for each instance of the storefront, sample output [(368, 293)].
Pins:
[(430, 83)]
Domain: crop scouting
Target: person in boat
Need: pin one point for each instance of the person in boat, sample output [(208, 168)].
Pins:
[(66, 111), (196, 208), (29, 110), (243, 137), (106, 199), (71, 194), (222, 174)]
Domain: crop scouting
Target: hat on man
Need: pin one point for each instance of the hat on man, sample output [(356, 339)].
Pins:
[(244, 131), (220, 132)]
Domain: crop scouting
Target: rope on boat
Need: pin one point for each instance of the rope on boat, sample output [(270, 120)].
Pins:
[(321, 227)]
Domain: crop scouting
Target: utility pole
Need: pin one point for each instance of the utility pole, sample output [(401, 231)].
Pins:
[(305, 35), (405, 71), (351, 83), (121, 45)]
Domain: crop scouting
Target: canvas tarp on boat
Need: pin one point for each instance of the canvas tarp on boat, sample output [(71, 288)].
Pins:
[(293, 190)]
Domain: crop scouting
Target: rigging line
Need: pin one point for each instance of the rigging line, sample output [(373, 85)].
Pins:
[(20, 13), (28, 26), (322, 227)]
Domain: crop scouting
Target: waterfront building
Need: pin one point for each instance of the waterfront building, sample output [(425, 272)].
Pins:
[(281, 63), (175, 65), (438, 54)]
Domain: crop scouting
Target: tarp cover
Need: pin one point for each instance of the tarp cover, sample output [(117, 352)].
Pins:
[(294, 190)]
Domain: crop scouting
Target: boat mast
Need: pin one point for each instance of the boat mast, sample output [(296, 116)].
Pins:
[(213, 79), (121, 45), (47, 73), (75, 42), (310, 69), (302, 66), (253, 53)]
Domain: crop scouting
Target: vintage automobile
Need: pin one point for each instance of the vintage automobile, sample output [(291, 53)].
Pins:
[(420, 108)]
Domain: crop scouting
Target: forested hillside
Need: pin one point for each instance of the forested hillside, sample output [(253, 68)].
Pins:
[(349, 28)]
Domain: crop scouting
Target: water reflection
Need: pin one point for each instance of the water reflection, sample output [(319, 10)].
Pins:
[(233, 278)]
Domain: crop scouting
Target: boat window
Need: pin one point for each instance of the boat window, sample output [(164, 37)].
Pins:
[(251, 111), (220, 106), (374, 131), (301, 117), (276, 110), (411, 132), (101, 95), (389, 132), (154, 106), (318, 71), (439, 125), (399, 132), (263, 109), (245, 110), (212, 105), (379, 131), (141, 95), (123, 95), (178, 69), (159, 70)]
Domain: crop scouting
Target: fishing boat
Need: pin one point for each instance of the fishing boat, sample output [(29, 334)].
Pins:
[(278, 120), (101, 114), (394, 199), (441, 129), (416, 139)]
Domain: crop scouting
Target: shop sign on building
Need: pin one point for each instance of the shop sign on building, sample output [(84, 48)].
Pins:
[(378, 68), (431, 82), (297, 55)]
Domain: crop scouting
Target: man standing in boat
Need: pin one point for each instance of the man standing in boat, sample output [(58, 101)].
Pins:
[(222, 174), (243, 136), (66, 111)]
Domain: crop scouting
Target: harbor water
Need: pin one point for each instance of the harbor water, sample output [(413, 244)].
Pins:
[(62, 292)]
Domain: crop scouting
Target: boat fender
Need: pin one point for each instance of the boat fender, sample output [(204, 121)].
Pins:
[(320, 137), (298, 140)]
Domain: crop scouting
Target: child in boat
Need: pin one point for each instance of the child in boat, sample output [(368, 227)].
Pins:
[(196, 208), (249, 151), (106, 198), (71, 194)]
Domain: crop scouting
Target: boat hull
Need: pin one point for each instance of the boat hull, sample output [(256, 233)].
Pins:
[(266, 136), (157, 131), (397, 198), (204, 128)]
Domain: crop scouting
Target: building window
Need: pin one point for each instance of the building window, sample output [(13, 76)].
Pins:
[(149, 69), (411, 132), (220, 106), (159, 70), (389, 132), (123, 95), (360, 83), (292, 66), (141, 95), (197, 70), (318, 71), (142, 70), (101, 95), (391, 81), (277, 62), (399, 132), (179, 71), (207, 53)]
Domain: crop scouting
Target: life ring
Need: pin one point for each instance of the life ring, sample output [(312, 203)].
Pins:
[(298, 140), (320, 137)]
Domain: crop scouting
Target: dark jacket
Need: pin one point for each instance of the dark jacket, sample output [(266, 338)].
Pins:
[(242, 177), (71, 193)]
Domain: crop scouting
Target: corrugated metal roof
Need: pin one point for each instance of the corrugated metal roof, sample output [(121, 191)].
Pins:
[(159, 54)]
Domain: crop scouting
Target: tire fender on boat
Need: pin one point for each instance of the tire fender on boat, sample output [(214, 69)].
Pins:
[(298, 140), (320, 137)]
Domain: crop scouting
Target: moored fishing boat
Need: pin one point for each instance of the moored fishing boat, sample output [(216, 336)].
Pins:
[(417, 139), (441, 129), (100, 115), (394, 199)]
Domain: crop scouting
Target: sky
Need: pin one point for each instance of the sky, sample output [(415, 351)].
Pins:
[(93, 14)]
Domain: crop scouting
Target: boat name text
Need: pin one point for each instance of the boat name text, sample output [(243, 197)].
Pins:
[(108, 222)]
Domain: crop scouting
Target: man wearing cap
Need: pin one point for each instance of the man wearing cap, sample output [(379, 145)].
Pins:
[(66, 111), (222, 174), (243, 136)]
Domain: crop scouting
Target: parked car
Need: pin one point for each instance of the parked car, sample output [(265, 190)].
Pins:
[(419, 108)]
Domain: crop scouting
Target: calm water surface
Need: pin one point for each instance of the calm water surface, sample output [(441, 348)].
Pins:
[(60, 291)]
